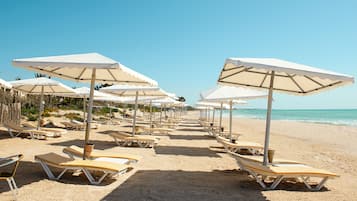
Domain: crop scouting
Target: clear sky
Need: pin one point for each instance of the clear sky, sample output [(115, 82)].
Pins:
[(183, 44)]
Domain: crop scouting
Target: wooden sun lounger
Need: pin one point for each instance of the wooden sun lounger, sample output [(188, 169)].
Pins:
[(74, 126), (57, 132), (155, 130), (252, 148), (281, 170), (58, 161), (77, 152), (124, 139), (34, 134)]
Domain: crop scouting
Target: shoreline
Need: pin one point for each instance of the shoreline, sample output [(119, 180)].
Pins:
[(336, 122)]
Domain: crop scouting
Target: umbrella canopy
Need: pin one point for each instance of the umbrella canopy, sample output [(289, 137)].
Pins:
[(289, 77), (231, 95), (85, 92), (91, 67), (130, 91), (5, 84), (211, 104), (279, 75), (41, 86), (79, 67)]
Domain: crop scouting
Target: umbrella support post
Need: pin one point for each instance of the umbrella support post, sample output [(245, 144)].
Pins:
[(84, 109), (230, 120), (136, 108), (41, 109), (220, 118), (89, 111), (268, 119)]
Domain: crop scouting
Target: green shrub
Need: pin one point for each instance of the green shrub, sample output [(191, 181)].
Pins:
[(31, 117), (75, 116)]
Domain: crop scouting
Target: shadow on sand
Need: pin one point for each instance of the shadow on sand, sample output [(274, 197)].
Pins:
[(29, 172), (98, 144), (191, 129), (187, 151), (190, 137), (186, 185)]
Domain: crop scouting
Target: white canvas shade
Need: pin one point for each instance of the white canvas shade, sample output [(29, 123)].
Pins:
[(126, 90), (5, 84), (279, 75), (231, 95), (92, 67), (164, 101), (41, 86), (84, 93)]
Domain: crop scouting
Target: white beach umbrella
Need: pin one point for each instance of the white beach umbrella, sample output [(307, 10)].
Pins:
[(279, 75), (231, 95), (210, 106), (84, 93), (5, 84), (41, 86), (91, 67), (170, 100), (126, 90)]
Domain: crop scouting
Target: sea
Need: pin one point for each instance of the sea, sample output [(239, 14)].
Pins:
[(324, 116)]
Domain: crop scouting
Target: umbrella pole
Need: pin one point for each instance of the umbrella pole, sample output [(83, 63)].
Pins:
[(150, 114), (214, 111), (160, 113), (89, 112), (41, 109), (136, 108), (268, 119), (220, 118), (84, 109), (230, 120)]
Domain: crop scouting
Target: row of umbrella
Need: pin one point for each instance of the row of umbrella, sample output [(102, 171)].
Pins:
[(93, 68), (270, 75)]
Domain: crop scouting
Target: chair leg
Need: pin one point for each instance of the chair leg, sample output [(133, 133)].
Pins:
[(316, 188), (12, 186), (91, 178), (50, 173)]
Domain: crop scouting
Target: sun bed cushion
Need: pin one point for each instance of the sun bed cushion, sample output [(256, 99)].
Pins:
[(292, 170), (100, 154), (56, 160)]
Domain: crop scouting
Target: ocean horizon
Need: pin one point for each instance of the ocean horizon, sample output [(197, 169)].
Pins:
[(323, 116)]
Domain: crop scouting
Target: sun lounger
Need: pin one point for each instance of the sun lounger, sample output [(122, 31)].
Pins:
[(125, 139), (77, 152), (93, 125), (8, 174), (240, 146), (73, 126), (155, 130), (281, 170), (55, 124), (57, 132), (86, 166), (34, 134)]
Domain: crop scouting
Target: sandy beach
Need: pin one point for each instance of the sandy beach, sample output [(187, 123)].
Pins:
[(190, 165)]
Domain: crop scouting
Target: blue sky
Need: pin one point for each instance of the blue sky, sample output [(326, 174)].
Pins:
[(183, 44)]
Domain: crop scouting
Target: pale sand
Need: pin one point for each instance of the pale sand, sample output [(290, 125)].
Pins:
[(187, 165)]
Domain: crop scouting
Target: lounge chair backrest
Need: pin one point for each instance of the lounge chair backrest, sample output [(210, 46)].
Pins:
[(61, 161), (29, 125), (13, 126), (76, 122), (77, 151), (11, 160)]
